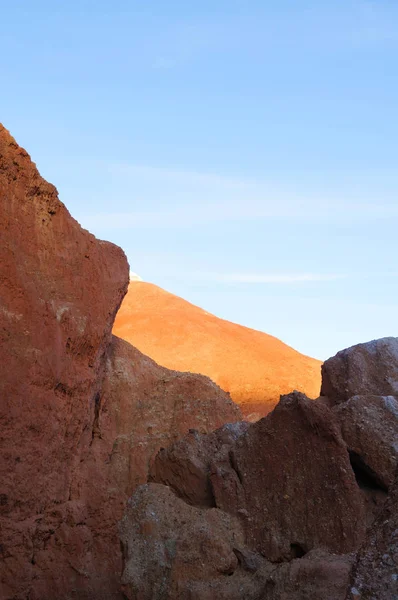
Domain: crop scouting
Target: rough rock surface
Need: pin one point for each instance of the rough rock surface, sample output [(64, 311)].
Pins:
[(53, 335), (296, 502), (53, 339), (174, 550), (316, 576), (369, 426), (375, 575), (144, 407), (289, 502), (365, 369), (80, 415), (186, 466), (159, 556), (255, 368), (287, 483), (304, 484)]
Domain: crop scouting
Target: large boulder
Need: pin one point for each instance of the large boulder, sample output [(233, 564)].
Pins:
[(147, 407), (365, 369), (144, 407), (186, 465), (81, 413), (369, 426), (298, 483), (169, 546), (316, 576), (288, 478), (177, 551)]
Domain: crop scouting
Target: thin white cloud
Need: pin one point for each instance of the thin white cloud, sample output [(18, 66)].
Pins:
[(203, 215), (270, 278), (177, 199), (357, 24), (181, 176), (163, 63)]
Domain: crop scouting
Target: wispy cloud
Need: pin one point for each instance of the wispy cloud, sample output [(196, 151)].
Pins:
[(247, 278), (177, 199), (178, 175), (273, 278), (331, 27), (163, 63)]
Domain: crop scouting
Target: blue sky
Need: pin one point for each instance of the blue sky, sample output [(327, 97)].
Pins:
[(243, 153)]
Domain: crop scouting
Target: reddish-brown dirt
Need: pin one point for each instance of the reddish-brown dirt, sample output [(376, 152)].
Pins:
[(254, 367)]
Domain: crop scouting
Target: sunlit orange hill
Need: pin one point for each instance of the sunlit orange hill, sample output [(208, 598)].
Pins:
[(253, 366)]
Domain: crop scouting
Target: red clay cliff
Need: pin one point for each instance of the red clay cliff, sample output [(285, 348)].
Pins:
[(81, 413)]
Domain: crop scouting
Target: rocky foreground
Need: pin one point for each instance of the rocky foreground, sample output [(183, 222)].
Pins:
[(300, 505), (122, 479)]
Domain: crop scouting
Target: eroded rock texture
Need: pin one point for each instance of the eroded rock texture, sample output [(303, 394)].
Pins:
[(60, 289), (300, 490), (369, 426), (375, 576), (160, 556), (288, 478), (288, 487), (174, 550), (191, 465), (143, 408), (80, 414)]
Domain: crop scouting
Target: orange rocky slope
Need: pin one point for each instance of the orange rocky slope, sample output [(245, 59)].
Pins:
[(256, 368)]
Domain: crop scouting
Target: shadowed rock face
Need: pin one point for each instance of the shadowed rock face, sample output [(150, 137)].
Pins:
[(187, 466), (254, 367), (174, 550), (369, 426), (354, 380), (164, 560), (80, 414), (375, 575), (143, 407), (300, 490), (308, 484), (281, 497), (287, 477)]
